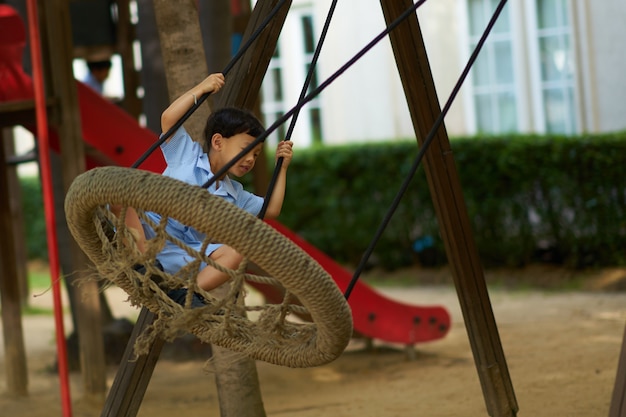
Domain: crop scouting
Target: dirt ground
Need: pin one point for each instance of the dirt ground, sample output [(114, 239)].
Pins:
[(561, 347)]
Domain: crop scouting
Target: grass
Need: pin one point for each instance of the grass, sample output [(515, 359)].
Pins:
[(38, 280), (532, 277), (36, 311)]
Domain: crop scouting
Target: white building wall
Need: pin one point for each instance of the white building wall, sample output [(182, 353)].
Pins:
[(358, 105), (606, 34), (367, 103), (443, 29)]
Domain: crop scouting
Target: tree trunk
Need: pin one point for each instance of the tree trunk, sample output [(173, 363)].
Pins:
[(183, 55), (155, 97), (216, 25), (185, 65)]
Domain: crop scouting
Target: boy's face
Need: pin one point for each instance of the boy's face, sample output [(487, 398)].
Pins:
[(229, 148)]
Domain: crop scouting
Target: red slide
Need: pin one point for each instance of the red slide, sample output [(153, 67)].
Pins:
[(373, 314), (114, 133)]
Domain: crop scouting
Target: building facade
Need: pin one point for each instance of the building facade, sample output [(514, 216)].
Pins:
[(548, 66)]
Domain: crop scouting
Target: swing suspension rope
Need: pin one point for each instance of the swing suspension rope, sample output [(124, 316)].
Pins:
[(314, 93), (305, 88), (427, 142), (304, 99), (271, 338), (420, 155)]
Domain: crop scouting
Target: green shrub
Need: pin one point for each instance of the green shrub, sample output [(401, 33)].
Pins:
[(34, 218), (529, 199)]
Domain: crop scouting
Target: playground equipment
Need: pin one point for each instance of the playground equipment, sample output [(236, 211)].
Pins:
[(443, 182), (498, 390)]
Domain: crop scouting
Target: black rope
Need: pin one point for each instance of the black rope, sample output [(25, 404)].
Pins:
[(313, 94), (429, 138), (292, 124), (204, 96)]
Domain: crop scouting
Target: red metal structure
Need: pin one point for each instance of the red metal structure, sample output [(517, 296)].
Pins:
[(20, 88)]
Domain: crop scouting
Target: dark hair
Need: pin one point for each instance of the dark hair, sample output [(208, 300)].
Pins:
[(96, 65), (230, 121)]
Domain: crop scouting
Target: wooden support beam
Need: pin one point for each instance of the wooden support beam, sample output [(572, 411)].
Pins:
[(125, 36), (10, 297), (134, 373), (618, 399), (443, 181), (246, 76), (17, 214), (20, 112)]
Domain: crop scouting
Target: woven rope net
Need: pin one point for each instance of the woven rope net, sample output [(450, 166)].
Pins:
[(274, 334)]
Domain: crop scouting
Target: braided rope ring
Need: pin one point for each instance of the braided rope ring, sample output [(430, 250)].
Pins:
[(291, 344)]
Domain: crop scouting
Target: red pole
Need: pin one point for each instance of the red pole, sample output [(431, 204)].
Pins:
[(48, 199)]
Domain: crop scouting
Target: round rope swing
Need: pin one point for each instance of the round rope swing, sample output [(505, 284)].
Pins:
[(313, 324), (271, 337)]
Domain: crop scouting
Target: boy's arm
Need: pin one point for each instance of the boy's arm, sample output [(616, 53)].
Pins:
[(211, 84), (278, 194)]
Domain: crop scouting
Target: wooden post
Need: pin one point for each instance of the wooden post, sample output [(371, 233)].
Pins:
[(618, 399), (87, 311), (134, 373), (15, 202), (125, 36), (155, 98), (15, 354), (216, 24), (246, 76), (445, 189)]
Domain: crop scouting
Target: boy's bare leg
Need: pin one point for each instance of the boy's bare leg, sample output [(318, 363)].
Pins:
[(210, 278), (133, 224)]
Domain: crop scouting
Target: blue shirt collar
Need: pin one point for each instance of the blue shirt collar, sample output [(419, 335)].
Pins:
[(226, 185)]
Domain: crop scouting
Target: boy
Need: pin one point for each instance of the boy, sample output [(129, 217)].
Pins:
[(228, 131), (98, 73)]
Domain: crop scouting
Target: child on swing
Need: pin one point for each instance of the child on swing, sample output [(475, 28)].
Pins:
[(227, 132)]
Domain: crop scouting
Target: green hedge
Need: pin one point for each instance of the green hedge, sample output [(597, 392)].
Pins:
[(529, 199), (34, 219)]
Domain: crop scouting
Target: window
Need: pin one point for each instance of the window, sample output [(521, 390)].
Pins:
[(556, 66), (493, 74), (285, 78), (273, 98), (313, 107)]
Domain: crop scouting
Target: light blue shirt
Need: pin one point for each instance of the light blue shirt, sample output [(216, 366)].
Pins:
[(187, 161), (95, 85)]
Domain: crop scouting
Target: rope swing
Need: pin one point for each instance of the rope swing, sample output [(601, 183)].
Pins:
[(271, 337)]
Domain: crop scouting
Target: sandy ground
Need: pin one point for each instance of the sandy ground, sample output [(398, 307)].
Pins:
[(561, 347)]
